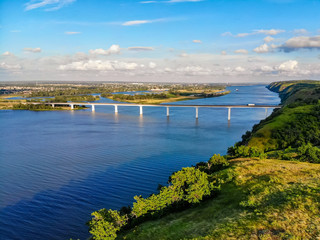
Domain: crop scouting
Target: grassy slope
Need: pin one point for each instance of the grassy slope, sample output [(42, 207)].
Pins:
[(289, 92), (268, 199), (262, 137)]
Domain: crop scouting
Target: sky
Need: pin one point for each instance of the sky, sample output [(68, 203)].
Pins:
[(192, 41)]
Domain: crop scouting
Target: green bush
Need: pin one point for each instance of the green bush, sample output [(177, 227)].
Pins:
[(245, 151), (309, 153), (105, 224)]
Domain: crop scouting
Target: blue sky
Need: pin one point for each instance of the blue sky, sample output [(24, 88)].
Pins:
[(165, 40)]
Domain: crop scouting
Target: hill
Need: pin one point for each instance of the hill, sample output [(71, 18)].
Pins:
[(266, 199), (248, 194)]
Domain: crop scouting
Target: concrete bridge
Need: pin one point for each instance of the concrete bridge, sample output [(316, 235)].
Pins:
[(167, 106)]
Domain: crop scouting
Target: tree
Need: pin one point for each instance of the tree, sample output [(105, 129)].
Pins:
[(105, 224)]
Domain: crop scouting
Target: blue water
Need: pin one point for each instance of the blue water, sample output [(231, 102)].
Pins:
[(57, 167)]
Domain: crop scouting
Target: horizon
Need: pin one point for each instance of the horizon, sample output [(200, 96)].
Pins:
[(167, 41)]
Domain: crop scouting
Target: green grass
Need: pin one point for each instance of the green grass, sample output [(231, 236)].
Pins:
[(262, 138), (267, 199)]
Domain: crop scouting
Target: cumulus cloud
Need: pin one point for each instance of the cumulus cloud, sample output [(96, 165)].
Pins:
[(193, 70), (302, 42), (268, 39), (197, 41), (114, 49), (72, 33), (300, 31), (49, 5), (5, 66), (264, 48), (99, 65), (32, 50), (266, 68), (140, 48), (184, 55), (152, 65), (241, 51), (288, 66), (270, 31), (239, 69), (7, 53), (255, 32)]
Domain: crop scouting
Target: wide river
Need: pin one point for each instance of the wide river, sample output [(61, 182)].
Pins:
[(57, 167)]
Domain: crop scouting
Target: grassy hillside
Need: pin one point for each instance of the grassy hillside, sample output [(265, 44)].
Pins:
[(291, 91), (287, 131), (266, 199), (246, 195)]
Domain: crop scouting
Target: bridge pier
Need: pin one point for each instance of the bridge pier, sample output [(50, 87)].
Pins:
[(229, 114), (115, 108), (197, 113), (93, 109), (52, 105), (141, 110), (266, 110), (167, 111), (72, 106)]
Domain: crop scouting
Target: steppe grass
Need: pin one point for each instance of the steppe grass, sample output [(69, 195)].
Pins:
[(266, 199)]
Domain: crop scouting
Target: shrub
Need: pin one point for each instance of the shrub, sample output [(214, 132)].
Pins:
[(105, 224), (309, 153)]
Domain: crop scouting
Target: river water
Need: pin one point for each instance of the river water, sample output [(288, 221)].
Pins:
[(57, 167)]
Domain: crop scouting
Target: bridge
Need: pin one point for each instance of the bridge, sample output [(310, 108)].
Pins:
[(167, 106)]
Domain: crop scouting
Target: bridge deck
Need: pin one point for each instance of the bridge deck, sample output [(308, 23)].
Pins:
[(166, 105)]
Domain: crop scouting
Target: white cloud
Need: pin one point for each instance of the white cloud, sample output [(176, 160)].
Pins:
[(171, 1), (52, 4), (193, 70), (114, 49), (72, 33), (268, 39), (184, 55), (136, 22), (239, 69), (140, 48), (261, 31), (270, 31), (99, 65), (266, 68), (226, 34), (179, 1), (264, 48), (32, 50), (300, 31), (15, 31), (241, 51), (288, 65), (139, 22), (7, 53), (152, 65), (223, 53), (297, 43), (5, 66), (197, 41), (243, 34)]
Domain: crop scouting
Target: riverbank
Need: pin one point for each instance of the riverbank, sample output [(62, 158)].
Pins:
[(250, 196), (266, 199)]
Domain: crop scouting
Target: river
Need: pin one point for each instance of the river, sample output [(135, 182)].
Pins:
[(56, 167)]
